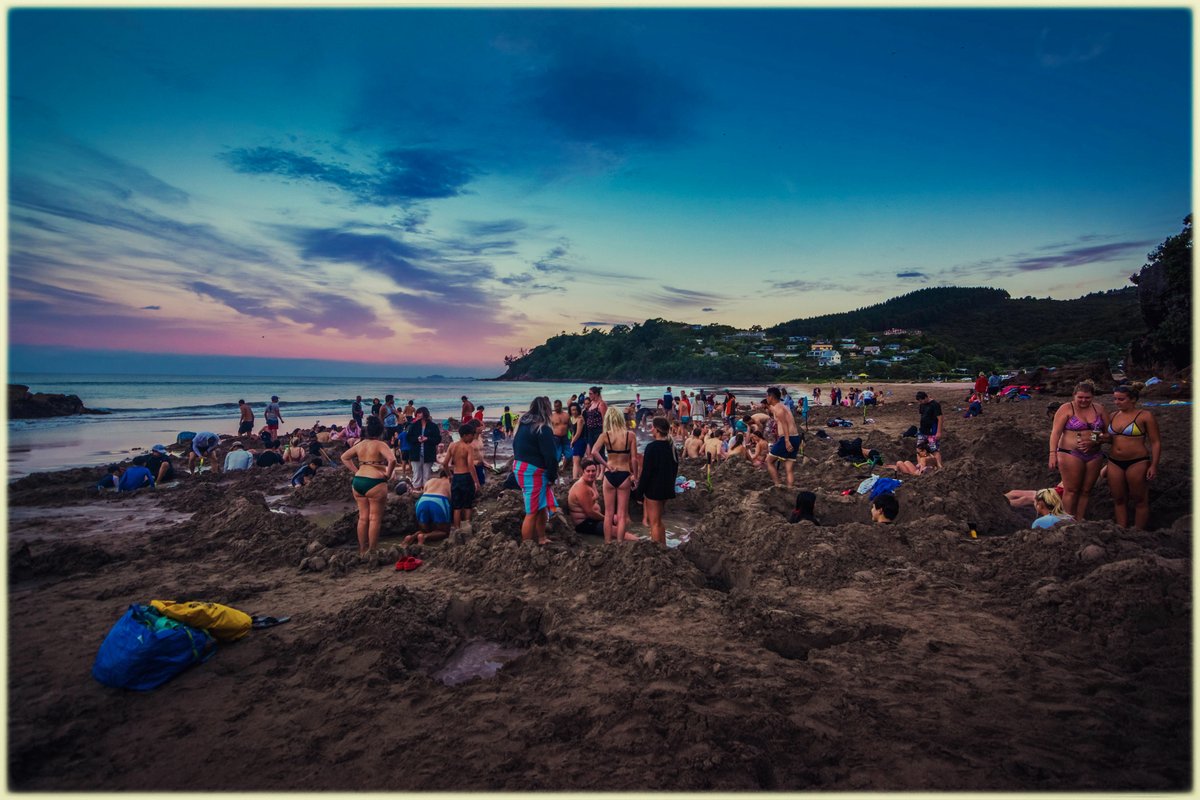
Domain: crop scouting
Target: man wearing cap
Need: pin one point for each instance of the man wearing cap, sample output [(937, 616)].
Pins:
[(158, 461), (273, 416), (238, 458)]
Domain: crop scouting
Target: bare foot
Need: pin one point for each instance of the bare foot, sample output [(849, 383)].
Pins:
[(545, 541), (629, 537), (407, 540), (420, 538)]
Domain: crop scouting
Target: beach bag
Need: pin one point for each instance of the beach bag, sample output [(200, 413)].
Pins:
[(185, 437), (883, 486), (145, 649), (224, 623)]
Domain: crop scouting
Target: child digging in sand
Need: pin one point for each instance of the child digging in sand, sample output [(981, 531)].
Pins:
[(433, 512), (459, 463)]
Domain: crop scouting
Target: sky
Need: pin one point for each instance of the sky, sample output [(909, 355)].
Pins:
[(435, 189)]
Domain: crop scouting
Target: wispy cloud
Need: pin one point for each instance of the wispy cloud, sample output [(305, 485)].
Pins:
[(1063, 255), (708, 309), (320, 311), (498, 227), (151, 308), (401, 175), (1055, 50), (912, 274), (805, 285), (681, 298)]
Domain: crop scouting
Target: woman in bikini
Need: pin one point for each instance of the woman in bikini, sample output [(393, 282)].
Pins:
[(376, 463), (616, 450), (1133, 459), (1075, 447)]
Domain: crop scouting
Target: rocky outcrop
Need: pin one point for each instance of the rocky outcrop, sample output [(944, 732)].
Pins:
[(22, 404)]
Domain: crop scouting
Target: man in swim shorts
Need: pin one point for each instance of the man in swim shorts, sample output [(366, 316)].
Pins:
[(583, 501), (273, 416), (433, 512), (930, 429), (787, 446), (246, 423), (204, 445)]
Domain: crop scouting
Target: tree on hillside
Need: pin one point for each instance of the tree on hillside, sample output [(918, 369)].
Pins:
[(1165, 295)]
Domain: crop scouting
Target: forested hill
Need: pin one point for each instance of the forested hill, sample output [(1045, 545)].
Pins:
[(922, 309), (934, 332)]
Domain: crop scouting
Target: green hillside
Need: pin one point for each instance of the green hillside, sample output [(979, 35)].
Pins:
[(945, 330)]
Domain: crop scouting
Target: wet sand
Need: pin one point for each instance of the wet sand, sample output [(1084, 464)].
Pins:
[(756, 656)]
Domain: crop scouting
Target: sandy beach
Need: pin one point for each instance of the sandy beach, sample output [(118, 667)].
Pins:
[(755, 655)]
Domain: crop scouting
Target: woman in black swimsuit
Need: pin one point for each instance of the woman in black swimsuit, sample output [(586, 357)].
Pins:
[(619, 462), (1133, 459)]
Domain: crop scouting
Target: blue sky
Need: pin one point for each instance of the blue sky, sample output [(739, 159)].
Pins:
[(443, 187)]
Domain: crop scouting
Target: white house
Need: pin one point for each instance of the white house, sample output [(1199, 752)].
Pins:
[(827, 358), (871, 350)]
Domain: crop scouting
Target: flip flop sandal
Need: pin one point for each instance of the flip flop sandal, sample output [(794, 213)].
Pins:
[(408, 563), (267, 622)]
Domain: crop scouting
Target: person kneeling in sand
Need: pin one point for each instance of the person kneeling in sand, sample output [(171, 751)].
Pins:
[(583, 501), (433, 512), (885, 509), (1049, 508)]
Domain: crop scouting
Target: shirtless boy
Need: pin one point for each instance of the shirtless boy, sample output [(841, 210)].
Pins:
[(459, 462), (583, 501), (694, 445), (433, 512), (787, 446)]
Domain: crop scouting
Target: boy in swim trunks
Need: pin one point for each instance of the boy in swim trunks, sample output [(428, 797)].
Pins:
[(433, 512), (787, 446), (459, 463)]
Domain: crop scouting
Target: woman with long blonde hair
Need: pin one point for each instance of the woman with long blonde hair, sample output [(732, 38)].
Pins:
[(616, 449)]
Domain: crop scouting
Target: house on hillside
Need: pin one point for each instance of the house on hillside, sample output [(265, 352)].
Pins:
[(871, 350), (819, 346), (829, 358), (892, 347), (797, 338), (772, 365)]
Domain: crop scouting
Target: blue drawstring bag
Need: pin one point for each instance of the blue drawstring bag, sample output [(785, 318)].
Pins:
[(145, 649), (185, 437)]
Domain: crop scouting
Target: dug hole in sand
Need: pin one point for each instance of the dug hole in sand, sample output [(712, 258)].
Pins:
[(757, 655)]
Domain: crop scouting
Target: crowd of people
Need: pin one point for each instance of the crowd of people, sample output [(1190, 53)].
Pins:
[(597, 446)]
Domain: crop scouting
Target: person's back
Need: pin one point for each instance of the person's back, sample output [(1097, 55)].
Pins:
[(438, 485), (238, 458), (268, 458), (135, 477)]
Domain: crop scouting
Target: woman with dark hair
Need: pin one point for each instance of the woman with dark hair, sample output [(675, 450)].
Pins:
[(1075, 447), (578, 440), (376, 463), (1133, 459), (805, 511), (594, 409), (423, 438), (535, 465), (656, 483)]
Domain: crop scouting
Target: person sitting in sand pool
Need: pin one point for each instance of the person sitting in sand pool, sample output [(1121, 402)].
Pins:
[(1133, 459), (376, 463), (712, 446), (269, 457), (737, 448), (656, 482), (238, 458), (158, 461), (757, 450), (884, 509), (309, 470), (294, 452), (110, 480), (583, 501), (1075, 447), (433, 512), (924, 464), (204, 445), (350, 434), (535, 466), (693, 446), (459, 463), (1049, 508), (805, 511), (616, 450)]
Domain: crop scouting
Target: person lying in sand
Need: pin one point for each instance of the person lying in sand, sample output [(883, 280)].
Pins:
[(433, 512)]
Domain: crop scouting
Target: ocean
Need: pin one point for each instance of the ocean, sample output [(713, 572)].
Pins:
[(151, 409)]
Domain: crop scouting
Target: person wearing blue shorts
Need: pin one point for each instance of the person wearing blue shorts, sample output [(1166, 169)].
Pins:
[(433, 512), (787, 446)]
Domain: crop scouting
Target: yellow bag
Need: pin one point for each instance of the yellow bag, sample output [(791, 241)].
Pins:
[(224, 623)]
